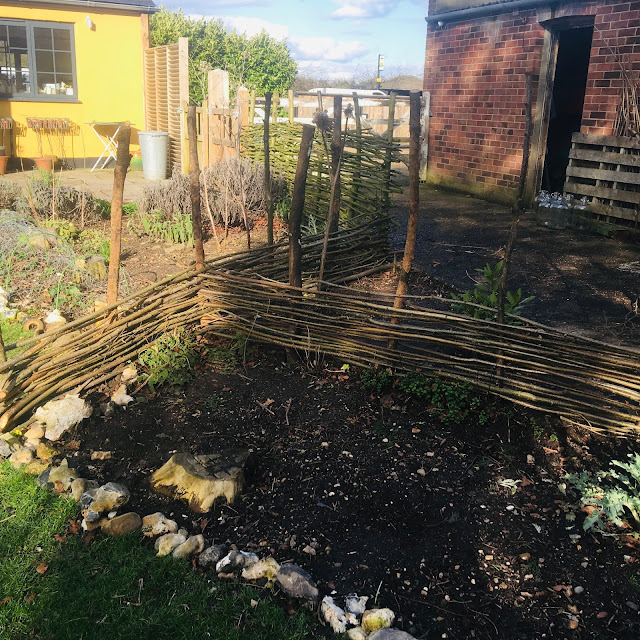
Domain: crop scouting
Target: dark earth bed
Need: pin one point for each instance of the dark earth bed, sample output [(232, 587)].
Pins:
[(339, 471)]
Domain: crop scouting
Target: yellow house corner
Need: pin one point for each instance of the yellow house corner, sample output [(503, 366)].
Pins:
[(65, 66)]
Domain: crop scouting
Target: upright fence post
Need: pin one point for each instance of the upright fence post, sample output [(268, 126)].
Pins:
[(194, 178), (115, 242), (336, 152), (414, 204), (3, 354), (267, 169), (297, 206), (387, 162), (184, 143), (291, 106), (355, 182)]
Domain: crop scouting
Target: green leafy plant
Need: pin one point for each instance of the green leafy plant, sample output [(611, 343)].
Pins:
[(64, 228), (170, 359), (376, 381), (613, 495), (485, 294), (452, 402), (130, 209), (177, 230), (93, 242)]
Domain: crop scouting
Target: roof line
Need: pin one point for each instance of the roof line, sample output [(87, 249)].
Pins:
[(131, 8), (487, 9)]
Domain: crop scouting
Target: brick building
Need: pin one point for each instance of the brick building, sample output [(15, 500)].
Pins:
[(477, 57)]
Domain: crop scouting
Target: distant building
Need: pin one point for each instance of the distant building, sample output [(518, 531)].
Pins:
[(402, 84), (477, 56)]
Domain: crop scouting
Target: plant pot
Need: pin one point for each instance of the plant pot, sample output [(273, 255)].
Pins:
[(45, 163), (3, 164)]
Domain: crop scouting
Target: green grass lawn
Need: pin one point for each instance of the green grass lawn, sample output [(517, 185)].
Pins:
[(12, 331), (53, 586)]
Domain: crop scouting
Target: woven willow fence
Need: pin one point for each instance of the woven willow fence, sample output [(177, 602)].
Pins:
[(83, 354), (366, 177), (586, 382)]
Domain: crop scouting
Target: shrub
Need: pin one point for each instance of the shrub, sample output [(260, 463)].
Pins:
[(50, 199), (170, 359), (485, 293), (10, 194), (613, 494)]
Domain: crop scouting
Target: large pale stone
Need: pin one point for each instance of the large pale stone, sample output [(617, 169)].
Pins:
[(169, 541), (235, 560), (60, 415), (333, 615), (266, 568), (24, 455), (36, 467), (63, 474), (200, 480)]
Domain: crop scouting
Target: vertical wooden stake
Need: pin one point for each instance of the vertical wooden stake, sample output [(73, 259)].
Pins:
[(267, 169), (297, 206), (291, 106), (387, 162), (414, 205), (3, 353), (336, 153), (526, 144), (119, 175), (194, 178), (355, 182)]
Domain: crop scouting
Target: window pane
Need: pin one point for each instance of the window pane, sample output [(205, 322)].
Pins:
[(62, 39), (44, 61), (18, 37), (64, 84), (14, 61), (43, 38), (47, 83), (63, 63)]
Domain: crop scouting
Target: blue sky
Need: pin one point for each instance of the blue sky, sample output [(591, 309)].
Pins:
[(331, 38)]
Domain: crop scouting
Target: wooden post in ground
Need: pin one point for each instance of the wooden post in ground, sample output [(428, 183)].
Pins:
[(414, 204), (267, 169), (3, 353), (336, 153), (355, 182), (291, 106), (115, 243), (387, 162), (297, 206), (194, 179)]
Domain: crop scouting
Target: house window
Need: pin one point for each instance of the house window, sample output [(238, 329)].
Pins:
[(37, 61)]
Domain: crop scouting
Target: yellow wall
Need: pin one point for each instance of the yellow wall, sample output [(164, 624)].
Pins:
[(109, 76)]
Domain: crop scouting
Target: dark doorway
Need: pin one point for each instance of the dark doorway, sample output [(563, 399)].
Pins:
[(572, 66)]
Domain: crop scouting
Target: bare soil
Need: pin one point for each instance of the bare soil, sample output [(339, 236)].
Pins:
[(396, 503)]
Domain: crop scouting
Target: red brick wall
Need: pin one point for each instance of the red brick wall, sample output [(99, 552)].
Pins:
[(475, 72)]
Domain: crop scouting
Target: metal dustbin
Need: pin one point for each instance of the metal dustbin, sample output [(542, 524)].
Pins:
[(154, 146)]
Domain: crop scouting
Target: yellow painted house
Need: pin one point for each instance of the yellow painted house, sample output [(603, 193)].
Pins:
[(66, 65)]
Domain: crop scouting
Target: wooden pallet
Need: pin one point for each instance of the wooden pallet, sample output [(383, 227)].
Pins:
[(606, 169)]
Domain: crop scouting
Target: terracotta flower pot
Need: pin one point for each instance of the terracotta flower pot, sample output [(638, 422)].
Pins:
[(3, 164), (45, 163)]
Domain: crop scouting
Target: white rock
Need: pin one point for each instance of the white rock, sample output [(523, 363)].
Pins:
[(578, 590), (356, 605), (157, 524), (61, 415), (168, 542), (129, 375), (121, 397), (190, 547), (266, 568), (333, 615), (54, 317), (236, 560), (357, 633), (530, 459)]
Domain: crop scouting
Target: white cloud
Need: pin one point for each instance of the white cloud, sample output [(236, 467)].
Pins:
[(326, 49), (363, 9), (250, 26)]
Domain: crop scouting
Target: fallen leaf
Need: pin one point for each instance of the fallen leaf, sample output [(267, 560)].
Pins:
[(602, 614), (89, 538), (42, 568), (547, 450), (4, 601), (60, 537), (74, 527), (559, 587), (72, 445), (226, 388), (30, 598)]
